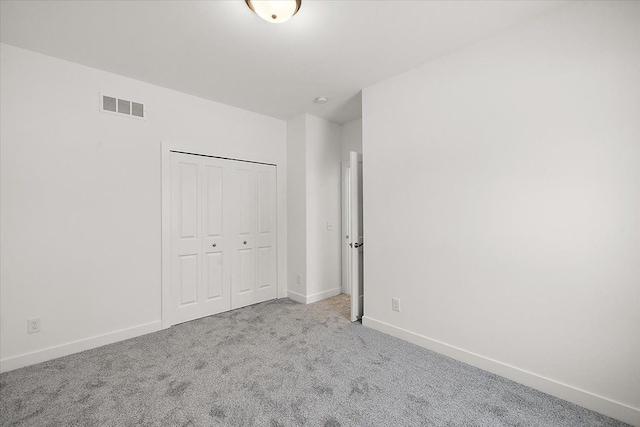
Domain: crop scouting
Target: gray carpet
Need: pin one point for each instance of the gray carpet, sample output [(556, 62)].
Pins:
[(273, 364)]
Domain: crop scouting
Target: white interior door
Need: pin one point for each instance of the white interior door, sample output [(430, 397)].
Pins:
[(356, 237), (253, 267), (346, 226), (200, 259)]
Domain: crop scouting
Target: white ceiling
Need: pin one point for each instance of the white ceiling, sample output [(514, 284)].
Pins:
[(221, 51)]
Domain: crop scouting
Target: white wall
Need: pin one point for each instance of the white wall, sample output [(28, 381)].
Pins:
[(80, 203), (502, 205), (297, 206), (313, 151), (323, 207), (350, 138)]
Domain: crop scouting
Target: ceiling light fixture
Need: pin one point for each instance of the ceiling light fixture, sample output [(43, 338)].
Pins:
[(274, 11), (320, 100)]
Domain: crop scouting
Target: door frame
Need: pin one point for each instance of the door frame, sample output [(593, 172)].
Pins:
[(208, 149)]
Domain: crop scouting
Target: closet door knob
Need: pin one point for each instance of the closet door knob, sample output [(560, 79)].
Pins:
[(214, 245), (245, 242)]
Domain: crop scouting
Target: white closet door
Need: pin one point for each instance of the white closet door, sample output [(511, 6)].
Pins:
[(200, 224), (216, 235), (253, 265), (243, 278), (223, 235), (266, 237)]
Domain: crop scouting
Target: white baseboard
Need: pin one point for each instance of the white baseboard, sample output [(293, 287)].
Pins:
[(323, 295), (314, 297), (38, 356), (603, 405), (294, 296)]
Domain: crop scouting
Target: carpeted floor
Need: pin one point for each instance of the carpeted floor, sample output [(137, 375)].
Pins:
[(273, 364)]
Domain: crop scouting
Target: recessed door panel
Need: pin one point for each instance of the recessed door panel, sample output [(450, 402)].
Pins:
[(188, 200), (188, 279), (214, 202), (265, 265), (215, 275), (246, 201), (264, 213), (247, 270)]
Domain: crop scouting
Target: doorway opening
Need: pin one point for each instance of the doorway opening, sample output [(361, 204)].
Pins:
[(353, 235)]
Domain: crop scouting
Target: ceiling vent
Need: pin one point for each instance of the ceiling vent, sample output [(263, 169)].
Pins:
[(111, 104)]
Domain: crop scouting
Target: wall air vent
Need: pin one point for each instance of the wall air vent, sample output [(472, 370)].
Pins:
[(111, 104)]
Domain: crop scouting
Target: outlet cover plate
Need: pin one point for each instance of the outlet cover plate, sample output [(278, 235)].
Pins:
[(33, 325)]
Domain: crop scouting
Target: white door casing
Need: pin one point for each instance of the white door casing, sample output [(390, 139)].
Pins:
[(356, 237)]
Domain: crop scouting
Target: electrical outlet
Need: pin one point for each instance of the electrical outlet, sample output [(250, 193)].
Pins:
[(395, 304), (299, 279), (33, 325), (330, 226)]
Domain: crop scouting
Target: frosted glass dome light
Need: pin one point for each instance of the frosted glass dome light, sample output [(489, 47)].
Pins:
[(274, 11)]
